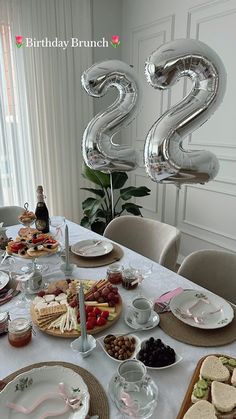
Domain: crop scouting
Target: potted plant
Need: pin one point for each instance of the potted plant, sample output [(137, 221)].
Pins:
[(97, 211)]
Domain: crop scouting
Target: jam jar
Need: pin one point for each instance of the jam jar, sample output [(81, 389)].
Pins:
[(130, 279), (115, 273), (4, 317), (19, 332)]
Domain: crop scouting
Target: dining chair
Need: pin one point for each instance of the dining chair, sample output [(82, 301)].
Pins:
[(151, 238), (9, 215), (214, 270)]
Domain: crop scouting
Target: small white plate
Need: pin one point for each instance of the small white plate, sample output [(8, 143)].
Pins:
[(130, 320), (137, 345), (29, 387), (4, 279), (208, 311), (92, 248), (178, 358)]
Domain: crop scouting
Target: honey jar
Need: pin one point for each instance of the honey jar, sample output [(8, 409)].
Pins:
[(19, 332), (115, 273)]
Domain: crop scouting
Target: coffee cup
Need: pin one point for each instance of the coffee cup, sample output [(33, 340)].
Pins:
[(142, 309)]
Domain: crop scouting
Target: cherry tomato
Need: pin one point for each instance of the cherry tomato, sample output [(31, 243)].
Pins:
[(89, 325), (89, 309), (105, 314), (93, 321), (101, 321), (97, 310)]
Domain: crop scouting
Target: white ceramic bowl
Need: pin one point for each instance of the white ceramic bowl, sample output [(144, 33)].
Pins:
[(178, 358), (102, 344)]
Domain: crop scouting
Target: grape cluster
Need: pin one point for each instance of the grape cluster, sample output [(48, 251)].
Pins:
[(154, 353), (108, 294)]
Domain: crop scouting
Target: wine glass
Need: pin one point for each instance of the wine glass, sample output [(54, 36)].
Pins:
[(56, 223), (22, 303)]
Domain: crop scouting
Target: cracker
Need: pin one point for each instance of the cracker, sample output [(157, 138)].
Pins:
[(59, 309)]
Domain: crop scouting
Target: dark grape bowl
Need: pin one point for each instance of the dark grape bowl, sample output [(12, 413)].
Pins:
[(156, 355)]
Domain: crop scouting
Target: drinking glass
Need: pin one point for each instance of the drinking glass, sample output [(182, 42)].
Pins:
[(56, 223), (143, 268)]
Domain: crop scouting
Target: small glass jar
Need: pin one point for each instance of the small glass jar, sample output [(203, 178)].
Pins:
[(115, 273), (130, 279), (19, 332), (4, 317)]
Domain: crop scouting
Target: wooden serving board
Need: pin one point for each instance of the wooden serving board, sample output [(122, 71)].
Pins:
[(186, 404), (75, 333)]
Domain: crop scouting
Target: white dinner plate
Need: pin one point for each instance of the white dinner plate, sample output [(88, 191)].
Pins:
[(201, 309), (29, 387), (4, 279), (92, 248)]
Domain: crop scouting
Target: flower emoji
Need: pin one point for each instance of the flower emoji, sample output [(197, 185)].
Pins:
[(19, 42), (115, 41)]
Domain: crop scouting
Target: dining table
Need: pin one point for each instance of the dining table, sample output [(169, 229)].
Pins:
[(172, 382)]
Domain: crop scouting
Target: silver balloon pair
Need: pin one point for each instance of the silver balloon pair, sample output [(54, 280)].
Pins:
[(165, 158)]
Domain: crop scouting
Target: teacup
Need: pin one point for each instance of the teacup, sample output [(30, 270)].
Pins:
[(142, 309)]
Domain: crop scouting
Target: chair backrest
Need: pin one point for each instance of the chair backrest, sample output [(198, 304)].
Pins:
[(9, 215), (151, 238), (214, 270)]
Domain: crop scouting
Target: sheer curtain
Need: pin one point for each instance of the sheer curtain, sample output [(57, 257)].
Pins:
[(43, 110)]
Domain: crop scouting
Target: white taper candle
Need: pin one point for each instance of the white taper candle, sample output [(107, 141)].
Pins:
[(67, 246)]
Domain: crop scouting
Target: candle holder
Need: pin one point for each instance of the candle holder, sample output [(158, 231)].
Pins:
[(67, 269), (84, 350)]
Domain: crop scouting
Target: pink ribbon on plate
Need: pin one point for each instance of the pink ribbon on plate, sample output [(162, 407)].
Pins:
[(70, 402)]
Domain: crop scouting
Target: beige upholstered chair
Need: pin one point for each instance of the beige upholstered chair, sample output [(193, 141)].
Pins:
[(214, 270), (151, 238), (9, 215)]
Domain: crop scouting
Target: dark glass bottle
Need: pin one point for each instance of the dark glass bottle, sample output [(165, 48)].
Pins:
[(41, 212)]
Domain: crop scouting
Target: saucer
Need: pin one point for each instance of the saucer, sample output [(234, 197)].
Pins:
[(151, 323)]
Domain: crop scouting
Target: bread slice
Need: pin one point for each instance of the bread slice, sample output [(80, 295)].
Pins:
[(201, 410), (233, 378), (223, 396), (212, 369)]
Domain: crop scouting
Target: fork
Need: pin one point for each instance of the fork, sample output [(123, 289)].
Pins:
[(90, 247), (185, 315)]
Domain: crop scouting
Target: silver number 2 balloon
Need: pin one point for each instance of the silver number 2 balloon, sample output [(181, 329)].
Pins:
[(165, 158), (99, 151)]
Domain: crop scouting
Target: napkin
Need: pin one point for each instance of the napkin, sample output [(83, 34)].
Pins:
[(169, 295), (162, 302)]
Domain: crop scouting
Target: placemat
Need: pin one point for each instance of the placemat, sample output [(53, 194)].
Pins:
[(194, 336), (12, 284), (82, 262), (98, 399)]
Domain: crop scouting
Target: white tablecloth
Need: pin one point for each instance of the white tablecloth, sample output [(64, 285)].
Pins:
[(172, 382)]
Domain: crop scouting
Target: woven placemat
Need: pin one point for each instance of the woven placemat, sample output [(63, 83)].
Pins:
[(98, 399), (82, 262), (194, 336)]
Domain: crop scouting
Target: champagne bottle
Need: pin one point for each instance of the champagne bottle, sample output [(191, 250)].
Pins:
[(41, 212)]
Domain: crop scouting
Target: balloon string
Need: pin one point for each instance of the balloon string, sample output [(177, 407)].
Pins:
[(177, 205), (112, 197)]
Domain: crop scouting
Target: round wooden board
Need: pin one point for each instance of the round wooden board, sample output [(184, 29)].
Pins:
[(74, 333)]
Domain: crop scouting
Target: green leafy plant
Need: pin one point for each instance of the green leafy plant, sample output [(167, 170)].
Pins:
[(97, 211)]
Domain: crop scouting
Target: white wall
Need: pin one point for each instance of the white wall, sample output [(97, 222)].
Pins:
[(204, 214), (106, 21)]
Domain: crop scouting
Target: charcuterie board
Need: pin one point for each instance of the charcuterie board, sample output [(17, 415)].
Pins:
[(44, 313)]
